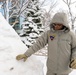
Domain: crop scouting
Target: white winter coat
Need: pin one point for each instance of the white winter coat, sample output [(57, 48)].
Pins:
[(61, 46)]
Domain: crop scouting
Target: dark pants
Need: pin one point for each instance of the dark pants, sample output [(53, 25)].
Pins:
[(56, 74), (49, 73)]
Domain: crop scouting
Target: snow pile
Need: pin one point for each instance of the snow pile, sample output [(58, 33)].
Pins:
[(10, 47)]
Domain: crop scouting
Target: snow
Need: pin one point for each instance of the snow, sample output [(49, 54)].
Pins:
[(10, 47)]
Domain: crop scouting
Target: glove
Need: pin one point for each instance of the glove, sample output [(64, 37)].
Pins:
[(21, 56), (73, 64)]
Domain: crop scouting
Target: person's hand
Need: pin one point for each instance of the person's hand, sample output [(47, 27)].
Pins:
[(21, 56), (73, 64)]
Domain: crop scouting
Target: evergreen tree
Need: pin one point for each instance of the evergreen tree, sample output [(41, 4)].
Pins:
[(32, 25)]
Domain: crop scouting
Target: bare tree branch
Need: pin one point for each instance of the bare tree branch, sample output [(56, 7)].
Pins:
[(15, 3), (22, 9), (42, 3), (64, 1), (53, 5), (69, 3), (73, 2)]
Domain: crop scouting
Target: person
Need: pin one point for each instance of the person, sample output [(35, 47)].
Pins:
[(61, 46)]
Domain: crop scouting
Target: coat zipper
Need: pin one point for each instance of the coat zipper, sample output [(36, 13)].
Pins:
[(58, 52)]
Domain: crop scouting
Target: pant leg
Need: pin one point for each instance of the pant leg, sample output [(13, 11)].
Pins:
[(62, 74), (49, 73)]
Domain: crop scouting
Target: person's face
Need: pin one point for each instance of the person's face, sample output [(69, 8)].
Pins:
[(58, 26)]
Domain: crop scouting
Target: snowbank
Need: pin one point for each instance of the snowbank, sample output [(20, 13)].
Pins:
[(10, 47)]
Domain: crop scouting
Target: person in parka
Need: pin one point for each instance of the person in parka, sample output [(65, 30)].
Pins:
[(61, 46)]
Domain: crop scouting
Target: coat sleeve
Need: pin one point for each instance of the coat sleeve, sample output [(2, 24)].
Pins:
[(40, 43), (73, 46)]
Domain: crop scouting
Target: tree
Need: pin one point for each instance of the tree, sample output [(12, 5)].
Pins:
[(16, 9), (47, 15), (32, 25), (72, 14)]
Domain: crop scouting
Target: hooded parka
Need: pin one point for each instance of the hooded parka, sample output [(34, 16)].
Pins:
[(61, 46)]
